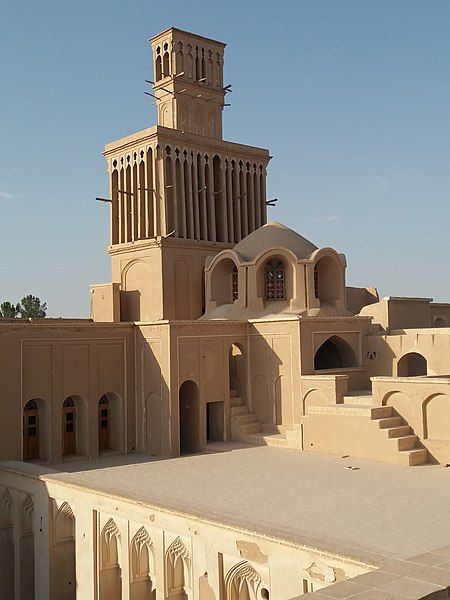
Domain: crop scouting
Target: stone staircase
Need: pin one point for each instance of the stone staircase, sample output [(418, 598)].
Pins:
[(392, 426), (246, 428), (402, 444)]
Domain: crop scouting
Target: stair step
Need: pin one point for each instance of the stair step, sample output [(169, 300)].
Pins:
[(236, 401), (389, 422), (350, 410), (381, 412), (238, 410), (250, 428), (275, 440), (263, 440), (244, 418), (407, 442), (363, 400), (412, 458), (396, 432)]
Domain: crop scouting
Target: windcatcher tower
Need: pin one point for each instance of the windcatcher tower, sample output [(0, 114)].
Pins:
[(179, 192)]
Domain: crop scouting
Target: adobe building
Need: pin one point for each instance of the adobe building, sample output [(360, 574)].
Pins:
[(238, 342)]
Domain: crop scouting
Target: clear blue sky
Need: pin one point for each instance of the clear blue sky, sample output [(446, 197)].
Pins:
[(351, 97)]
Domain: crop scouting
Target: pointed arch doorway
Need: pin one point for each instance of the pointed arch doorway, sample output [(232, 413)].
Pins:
[(189, 418)]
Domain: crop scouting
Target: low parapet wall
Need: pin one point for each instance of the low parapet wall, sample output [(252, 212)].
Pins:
[(426, 576), (424, 403)]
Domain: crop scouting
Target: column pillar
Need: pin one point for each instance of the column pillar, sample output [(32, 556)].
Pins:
[(257, 196), (237, 204), (223, 204), (195, 187), (160, 195), (244, 201), (182, 199), (229, 202), (250, 200), (211, 203), (187, 169), (263, 197), (202, 201), (122, 207)]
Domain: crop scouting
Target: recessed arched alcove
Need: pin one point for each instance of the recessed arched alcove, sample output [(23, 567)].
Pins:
[(412, 364), (334, 353)]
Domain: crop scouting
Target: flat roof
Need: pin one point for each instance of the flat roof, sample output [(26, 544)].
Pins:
[(373, 510)]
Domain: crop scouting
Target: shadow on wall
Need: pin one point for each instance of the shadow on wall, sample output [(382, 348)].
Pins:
[(412, 364), (335, 353)]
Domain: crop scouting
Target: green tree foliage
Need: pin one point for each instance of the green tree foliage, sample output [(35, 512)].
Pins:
[(9, 310), (31, 306)]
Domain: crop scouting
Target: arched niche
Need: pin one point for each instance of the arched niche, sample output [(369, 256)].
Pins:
[(136, 294), (142, 567), (435, 411), (110, 576), (178, 571), (401, 403), (6, 544), (75, 426), (412, 364), (224, 282), (237, 371), (37, 437), (242, 582), (111, 425), (313, 398), (26, 548), (329, 281), (189, 422), (335, 353), (64, 572)]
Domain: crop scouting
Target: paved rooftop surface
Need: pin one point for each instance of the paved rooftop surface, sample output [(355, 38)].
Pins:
[(307, 498)]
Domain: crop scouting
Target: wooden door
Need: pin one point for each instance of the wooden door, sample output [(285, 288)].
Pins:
[(31, 433), (103, 425), (69, 430)]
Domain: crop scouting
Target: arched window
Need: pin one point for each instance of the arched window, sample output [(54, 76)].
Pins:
[(166, 64), (235, 283), (274, 280), (316, 282), (158, 65)]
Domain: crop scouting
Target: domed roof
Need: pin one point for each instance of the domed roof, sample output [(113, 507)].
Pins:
[(273, 235)]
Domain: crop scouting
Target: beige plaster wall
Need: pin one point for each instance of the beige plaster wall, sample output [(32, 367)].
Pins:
[(400, 313), (105, 302), (51, 362), (383, 352), (200, 353), (274, 349), (152, 371), (424, 404), (352, 330), (211, 552)]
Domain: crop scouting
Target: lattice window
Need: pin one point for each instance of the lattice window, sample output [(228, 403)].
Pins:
[(316, 283), (274, 281), (235, 284)]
